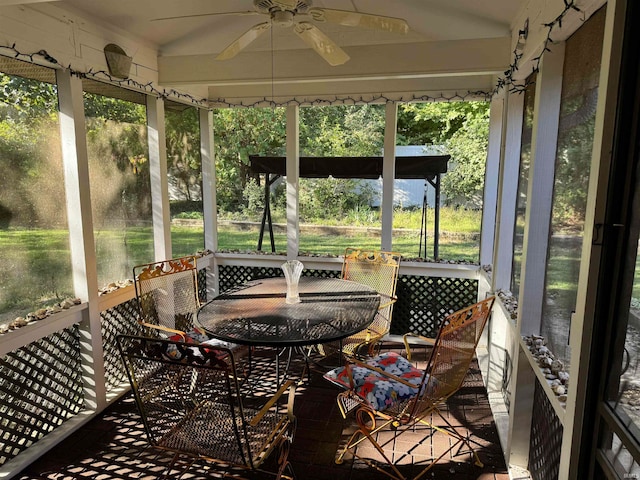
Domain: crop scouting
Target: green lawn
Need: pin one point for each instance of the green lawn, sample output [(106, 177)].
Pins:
[(37, 266), (407, 245)]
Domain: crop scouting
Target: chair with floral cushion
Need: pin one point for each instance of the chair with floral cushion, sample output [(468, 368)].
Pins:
[(390, 390), (191, 403), (168, 299), (379, 271)]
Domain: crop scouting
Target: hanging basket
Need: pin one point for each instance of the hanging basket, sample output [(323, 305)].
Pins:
[(117, 60)]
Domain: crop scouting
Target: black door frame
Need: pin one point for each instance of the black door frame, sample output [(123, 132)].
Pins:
[(619, 236)]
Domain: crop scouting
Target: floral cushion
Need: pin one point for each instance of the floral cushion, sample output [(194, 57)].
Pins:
[(379, 391), (196, 337)]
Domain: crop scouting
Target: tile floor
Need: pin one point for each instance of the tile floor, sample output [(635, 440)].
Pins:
[(114, 445)]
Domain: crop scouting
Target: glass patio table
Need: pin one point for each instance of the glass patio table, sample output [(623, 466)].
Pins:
[(256, 313)]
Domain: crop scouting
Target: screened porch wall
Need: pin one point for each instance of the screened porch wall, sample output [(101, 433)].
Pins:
[(509, 371), (43, 390)]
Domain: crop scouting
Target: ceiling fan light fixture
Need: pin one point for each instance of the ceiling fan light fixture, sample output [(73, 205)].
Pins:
[(282, 18)]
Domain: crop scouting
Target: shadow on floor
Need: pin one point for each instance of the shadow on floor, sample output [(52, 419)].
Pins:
[(114, 445)]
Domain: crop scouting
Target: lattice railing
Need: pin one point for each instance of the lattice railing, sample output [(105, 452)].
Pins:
[(202, 284), (118, 320), (233, 275), (40, 388), (41, 384), (546, 438), (422, 301)]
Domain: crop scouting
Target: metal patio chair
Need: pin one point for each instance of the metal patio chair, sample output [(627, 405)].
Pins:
[(389, 390), (191, 404), (379, 271), (168, 299)]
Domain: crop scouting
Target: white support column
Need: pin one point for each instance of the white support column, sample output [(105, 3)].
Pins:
[(492, 172), (494, 190), (508, 191), (293, 181), (388, 174), (544, 139), (536, 237), (159, 179), (209, 203), (83, 258)]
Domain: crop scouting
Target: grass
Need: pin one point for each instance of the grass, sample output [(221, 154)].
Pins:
[(451, 219), (38, 268), (407, 245), (38, 271)]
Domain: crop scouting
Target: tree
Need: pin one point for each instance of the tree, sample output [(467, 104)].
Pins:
[(240, 132), (25, 100), (468, 150), (184, 163), (433, 123), (463, 128), (342, 131)]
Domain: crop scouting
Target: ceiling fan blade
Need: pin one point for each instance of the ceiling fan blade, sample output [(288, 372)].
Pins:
[(243, 41), (322, 44), (356, 19), (196, 15)]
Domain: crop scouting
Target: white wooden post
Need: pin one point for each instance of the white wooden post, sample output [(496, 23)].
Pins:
[(209, 203), (388, 174), (508, 192), (544, 140), (293, 181), (159, 179), (492, 172), (81, 240), (536, 237)]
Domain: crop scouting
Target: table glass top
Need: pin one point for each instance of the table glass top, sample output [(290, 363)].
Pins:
[(256, 313)]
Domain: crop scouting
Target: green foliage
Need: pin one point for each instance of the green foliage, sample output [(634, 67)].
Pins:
[(240, 132), (463, 127), (452, 220), (341, 131), (434, 123), (332, 198), (25, 100), (468, 150), (178, 207), (573, 164), (324, 131), (114, 109), (119, 171), (253, 197), (190, 215), (361, 216), (184, 163)]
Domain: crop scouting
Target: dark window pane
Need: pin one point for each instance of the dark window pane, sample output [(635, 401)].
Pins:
[(573, 160)]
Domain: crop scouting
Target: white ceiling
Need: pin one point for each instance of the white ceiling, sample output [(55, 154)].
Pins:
[(465, 39)]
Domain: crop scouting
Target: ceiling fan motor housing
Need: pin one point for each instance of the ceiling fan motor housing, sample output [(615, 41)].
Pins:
[(274, 6)]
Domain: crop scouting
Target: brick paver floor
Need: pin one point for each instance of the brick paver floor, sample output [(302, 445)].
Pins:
[(114, 445)]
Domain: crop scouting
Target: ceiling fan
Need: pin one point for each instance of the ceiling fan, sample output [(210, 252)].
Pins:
[(291, 13)]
